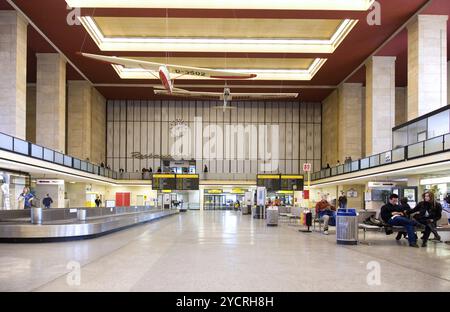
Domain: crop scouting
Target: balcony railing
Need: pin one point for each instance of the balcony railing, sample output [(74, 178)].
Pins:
[(428, 147), (15, 145)]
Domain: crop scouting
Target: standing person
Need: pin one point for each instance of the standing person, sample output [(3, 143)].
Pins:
[(325, 212), (277, 201), (342, 200), (338, 163), (391, 214), (98, 201), (446, 206), (47, 201), (27, 197), (430, 211), (205, 169)]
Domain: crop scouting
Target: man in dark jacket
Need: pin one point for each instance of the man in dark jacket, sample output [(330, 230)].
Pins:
[(47, 201), (391, 214), (405, 208), (430, 211)]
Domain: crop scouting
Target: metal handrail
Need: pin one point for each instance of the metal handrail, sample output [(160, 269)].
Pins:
[(46, 154), (386, 158)]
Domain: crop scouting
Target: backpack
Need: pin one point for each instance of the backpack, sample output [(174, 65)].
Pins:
[(373, 221)]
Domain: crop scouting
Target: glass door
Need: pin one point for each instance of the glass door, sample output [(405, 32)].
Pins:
[(215, 202)]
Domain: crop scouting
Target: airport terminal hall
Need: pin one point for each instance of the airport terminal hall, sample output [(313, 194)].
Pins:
[(229, 146)]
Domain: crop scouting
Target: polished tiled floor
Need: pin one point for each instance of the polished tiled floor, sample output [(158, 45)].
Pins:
[(223, 251)]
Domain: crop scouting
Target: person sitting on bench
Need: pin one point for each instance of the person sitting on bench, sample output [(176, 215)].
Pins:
[(405, 208), (325, 212), (391, 214), (430, 211)]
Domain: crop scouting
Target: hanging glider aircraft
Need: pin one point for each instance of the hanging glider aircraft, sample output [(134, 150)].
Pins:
[(226, 96), (164, 70)]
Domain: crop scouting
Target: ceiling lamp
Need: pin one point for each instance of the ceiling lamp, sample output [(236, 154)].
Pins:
[(262, 74), (330, 5), (243, 45)]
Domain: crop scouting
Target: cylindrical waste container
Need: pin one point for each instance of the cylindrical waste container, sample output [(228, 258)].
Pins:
[(272, 216), (81, 214), (246, 209), (347, 227), (36, 215)]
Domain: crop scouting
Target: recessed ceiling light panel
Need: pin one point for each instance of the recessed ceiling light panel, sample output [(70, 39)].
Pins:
[(326, 5)]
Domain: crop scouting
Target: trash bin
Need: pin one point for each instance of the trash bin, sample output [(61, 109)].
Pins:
[(258, 212), (246, 209), (36, 215), (272, 216), (81, 214), (347, 227)]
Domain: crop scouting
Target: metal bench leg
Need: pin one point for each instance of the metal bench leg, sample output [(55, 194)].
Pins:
[(364, 242)]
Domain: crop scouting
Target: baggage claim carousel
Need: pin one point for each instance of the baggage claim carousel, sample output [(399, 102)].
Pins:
[(38, 225)]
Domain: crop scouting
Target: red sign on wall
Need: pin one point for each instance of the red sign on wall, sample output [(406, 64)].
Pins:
[(306, 194), (122, 199), (306, 167)]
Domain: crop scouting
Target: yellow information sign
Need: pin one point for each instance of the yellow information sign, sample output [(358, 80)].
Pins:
[(163, 176), (214, 191), (268, 176), (293, 177), (188, 176)]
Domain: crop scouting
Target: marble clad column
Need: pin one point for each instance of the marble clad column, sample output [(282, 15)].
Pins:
[(350, 121), (79, 111), (380, 104), (13, 77), (427, 64), (51, 101)]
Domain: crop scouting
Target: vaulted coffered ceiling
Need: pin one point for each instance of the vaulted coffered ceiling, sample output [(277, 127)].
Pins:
[(304, 46)]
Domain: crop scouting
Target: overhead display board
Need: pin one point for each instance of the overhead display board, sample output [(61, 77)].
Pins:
[(270, 181), (188, 182), (176, 182), (292, 183), (164, 182)]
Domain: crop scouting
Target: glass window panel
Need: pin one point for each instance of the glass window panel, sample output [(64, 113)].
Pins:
[(447, 142), (439, 124), (434, 145), (20, 146), (365, 163), (398, 154), (6, 142), (415, 150), (417, 132), (374, 160), (37, 151), (48, 154), (67, 161), (59, 158), (400, 137), (76, 163), (386, 158)]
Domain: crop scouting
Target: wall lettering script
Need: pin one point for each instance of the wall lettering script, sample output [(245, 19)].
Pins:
[(137, 155)]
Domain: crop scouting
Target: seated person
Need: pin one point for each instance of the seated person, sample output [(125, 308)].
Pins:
[(391, 214), (405, 208), (430, 211), (325, 212)]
